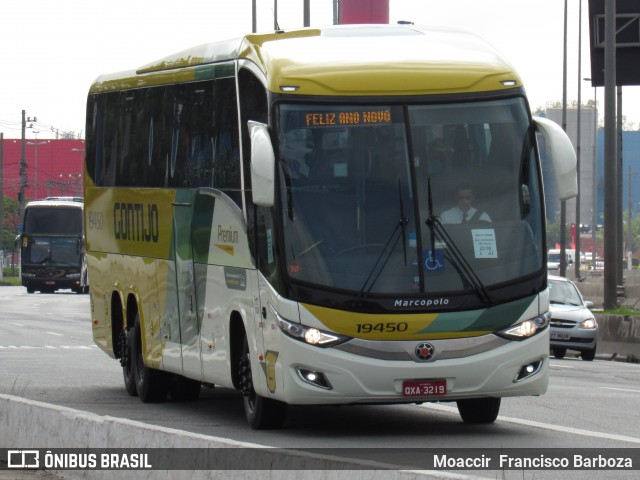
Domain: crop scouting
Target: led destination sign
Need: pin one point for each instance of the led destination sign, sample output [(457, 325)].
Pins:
[(353, 117)]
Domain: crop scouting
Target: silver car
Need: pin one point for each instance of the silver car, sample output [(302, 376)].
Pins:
[(573, 326)]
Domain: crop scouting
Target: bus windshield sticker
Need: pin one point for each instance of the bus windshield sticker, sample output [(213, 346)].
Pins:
[(484, 243), (433, 259), (269, 247)]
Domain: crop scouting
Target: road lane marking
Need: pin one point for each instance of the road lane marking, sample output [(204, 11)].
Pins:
[(621, 389), (56, 334), (547, 426), (556, 365)]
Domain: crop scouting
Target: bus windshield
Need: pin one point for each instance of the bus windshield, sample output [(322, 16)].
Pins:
[(53, 221), (54, 235), (424, 198), (53, 251)]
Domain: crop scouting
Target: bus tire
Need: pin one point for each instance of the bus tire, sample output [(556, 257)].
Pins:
[(151, 384), (127, 366), (479, 410), (261, 413)]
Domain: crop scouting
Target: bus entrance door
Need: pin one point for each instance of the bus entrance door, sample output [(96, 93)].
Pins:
[(185, 287)]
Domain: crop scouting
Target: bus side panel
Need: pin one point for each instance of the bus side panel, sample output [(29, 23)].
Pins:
[(228, 292), (169, 334), (128, 241), (225, 282), (100, 298), (142, 284)]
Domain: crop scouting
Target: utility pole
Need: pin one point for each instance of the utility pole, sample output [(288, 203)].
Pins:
[(306, 13), (610, 170), (23, 169), (577, 260), (619, 171), (629, 220), (563, 203), (254, 21), (276, 27)]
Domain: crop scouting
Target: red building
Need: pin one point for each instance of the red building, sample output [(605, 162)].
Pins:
[(54, 168), (364, 11)]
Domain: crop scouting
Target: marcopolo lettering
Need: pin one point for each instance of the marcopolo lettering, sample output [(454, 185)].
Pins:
[(136, 222), (421, 302)]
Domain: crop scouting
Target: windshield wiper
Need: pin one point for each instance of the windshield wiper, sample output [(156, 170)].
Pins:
[(400, 227), (456, 257)]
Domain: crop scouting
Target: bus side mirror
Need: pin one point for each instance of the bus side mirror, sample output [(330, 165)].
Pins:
[(263, 163), (562, 157)]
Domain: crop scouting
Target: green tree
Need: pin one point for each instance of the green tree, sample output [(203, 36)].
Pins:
[(553, 235), (635, 232), (10, 222)]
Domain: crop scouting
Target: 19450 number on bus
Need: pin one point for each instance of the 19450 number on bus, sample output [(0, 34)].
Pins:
[(388, 327)]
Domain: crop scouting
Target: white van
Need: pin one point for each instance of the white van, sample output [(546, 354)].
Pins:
[(553, 258)]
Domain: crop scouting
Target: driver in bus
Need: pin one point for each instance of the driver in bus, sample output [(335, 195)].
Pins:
[(464, 211)]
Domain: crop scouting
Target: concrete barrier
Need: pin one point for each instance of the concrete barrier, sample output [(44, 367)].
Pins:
[(618, 336), (30, 424)]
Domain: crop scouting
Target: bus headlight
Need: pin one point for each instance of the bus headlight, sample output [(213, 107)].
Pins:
[(526, 329), (309, 335)]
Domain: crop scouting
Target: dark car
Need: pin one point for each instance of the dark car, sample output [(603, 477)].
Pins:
[(573, 325)]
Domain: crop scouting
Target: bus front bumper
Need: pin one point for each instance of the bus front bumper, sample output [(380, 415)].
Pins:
[(302, 374)]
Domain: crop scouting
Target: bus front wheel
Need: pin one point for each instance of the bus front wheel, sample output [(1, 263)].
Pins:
[(479, 410), (151, 384), (261, 413)]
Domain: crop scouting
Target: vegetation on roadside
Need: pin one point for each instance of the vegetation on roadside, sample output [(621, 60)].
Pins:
[(621, 311), (9, 281)]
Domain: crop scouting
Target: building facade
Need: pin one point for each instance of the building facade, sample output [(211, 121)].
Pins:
[(53, 168)]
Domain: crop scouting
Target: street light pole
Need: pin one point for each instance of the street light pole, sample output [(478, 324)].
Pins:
[(594, 179), (563, 203), (576, 260)]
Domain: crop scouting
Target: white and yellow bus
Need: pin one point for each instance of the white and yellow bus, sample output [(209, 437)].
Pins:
[(267, 215)]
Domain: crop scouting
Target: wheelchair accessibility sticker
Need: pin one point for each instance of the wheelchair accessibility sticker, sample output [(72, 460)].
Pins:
[(433, 260)]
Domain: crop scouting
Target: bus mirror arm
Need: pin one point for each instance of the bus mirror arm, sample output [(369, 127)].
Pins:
[(262, 165)]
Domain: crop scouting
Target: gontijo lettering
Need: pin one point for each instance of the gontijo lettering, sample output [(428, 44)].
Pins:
[(136, 222)]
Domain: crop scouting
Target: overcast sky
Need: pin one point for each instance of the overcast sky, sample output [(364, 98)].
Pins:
[(52, 51)]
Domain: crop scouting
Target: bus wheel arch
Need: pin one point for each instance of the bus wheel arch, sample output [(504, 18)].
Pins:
[(126, 350), (151, 385), (118, 336), (260, 412)]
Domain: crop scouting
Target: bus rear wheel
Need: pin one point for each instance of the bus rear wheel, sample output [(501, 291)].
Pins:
[(127, 365), (479, 410), (261, 413), (151, 384)]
